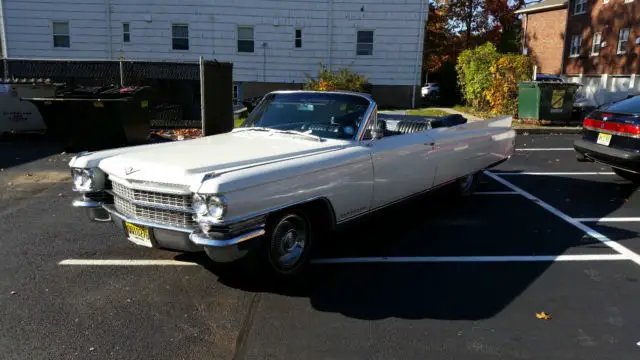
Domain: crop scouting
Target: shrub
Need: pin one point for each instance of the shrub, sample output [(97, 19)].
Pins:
[(507, 72), (343, 79), (489, 80), (474, 76)]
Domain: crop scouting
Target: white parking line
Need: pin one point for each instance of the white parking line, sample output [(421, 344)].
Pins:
[(608, 219), (554, 173), (373, 259), (472, 259), (495, 193), (125, 262), (545, 149), (589, 231)]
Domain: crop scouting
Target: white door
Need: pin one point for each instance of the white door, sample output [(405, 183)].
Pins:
[(402, 166)]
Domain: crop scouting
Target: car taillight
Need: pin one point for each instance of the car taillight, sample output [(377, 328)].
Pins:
[(630, 129)]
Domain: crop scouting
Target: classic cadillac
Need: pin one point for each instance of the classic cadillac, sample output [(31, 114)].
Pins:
[(302, 163)]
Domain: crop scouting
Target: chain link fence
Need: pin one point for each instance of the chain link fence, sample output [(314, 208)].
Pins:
[(175, 85)]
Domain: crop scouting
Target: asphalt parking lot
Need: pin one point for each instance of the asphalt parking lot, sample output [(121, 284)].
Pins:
[(427, 279)]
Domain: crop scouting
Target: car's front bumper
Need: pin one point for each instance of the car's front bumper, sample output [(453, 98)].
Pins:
[(621, 159), (220, 246)]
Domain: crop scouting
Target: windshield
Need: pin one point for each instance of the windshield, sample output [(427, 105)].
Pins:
[(328, 115)]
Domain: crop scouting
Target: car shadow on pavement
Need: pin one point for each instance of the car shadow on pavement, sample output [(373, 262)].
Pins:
[(16, 150), (441, 291)]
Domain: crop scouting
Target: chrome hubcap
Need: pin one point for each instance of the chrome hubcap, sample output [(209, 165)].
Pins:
[(291, 239), (465, 184)]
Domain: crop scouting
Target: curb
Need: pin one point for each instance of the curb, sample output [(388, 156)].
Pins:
[(552, 131)]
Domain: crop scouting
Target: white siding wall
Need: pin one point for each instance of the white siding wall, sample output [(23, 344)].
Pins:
[(598, 90), (397, 48)]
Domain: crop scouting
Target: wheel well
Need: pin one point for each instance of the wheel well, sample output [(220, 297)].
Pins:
[(319, 211)]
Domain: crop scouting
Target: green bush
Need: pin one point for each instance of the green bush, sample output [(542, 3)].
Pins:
[(343, 79), (489, 80), (474, 76)]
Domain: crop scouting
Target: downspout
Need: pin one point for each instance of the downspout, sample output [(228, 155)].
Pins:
[(419, 50), (330, 37), (109, 29), (564, 43), (524, 35), (3, 29)]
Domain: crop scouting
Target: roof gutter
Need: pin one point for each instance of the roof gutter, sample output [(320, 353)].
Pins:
[(535, 9)]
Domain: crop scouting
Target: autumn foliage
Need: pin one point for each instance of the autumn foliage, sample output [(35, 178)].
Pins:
[(489, 80), (343, 79)]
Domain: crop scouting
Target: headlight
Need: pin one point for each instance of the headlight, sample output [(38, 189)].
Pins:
[(209, 206), (86, 180)]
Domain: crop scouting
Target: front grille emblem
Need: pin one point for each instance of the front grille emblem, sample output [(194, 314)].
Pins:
[(130, 170)]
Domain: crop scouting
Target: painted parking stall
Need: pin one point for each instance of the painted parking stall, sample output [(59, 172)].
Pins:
[(430, 278)]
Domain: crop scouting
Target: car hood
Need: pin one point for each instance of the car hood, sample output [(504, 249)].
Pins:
[(179, 162)]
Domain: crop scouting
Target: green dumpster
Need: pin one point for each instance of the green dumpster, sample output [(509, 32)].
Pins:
[(546, 100)]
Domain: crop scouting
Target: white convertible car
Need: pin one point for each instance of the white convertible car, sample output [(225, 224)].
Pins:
[(302, 163)]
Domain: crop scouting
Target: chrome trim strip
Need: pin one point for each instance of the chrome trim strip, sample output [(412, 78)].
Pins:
[(152, 205), (263, 212), (159, 189), (84, 203), (611, 132), (420, 193), (366, 119), (111, 209), (201, 239)]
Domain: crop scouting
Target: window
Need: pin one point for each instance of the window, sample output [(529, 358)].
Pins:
[(61, 38), (235, 94), (575, 46), (298, 38), (245, 39), (126, 33), (605, 1), (628, 1), (580, 7), (595, 44), (623, 40), (365, 42), (180, 36)]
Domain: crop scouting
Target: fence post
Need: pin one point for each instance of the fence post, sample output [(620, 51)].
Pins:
[(121, 74), (203, 112), (217, 97)]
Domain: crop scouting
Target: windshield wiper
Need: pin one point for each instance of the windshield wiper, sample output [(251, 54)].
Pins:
[(276, 131), (300, 133), (254, 128)]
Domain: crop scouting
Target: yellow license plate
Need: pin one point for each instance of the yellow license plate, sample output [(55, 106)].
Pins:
[(138, 234), (604, 139)]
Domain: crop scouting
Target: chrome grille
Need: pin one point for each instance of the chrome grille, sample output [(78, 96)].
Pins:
[(154, 215), (150, 198)]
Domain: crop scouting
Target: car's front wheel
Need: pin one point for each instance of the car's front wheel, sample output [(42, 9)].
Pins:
[(287, 243), (627, 175), (467, 185)]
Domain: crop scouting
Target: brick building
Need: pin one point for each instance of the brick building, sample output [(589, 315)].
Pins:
[(602, 37), (543, 32), (592, 42)]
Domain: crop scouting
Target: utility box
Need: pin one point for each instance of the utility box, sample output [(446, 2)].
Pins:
[(546, 100)]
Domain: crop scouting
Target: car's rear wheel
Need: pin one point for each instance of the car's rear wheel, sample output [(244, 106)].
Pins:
[(627, 175)]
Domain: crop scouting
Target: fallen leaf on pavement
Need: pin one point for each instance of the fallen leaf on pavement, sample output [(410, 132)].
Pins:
[(543, 315)]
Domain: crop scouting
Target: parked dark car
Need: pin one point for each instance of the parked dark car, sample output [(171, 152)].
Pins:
[(611, 136)]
